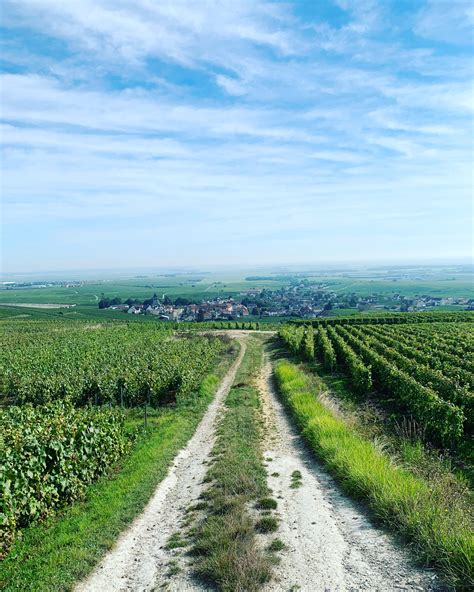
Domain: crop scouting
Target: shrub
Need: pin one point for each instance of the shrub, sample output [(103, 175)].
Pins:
[(308, 344), (48, 455)]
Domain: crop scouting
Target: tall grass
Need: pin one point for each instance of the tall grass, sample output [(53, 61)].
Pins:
[(439, 527)]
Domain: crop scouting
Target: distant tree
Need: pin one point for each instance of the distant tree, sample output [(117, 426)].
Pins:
[(352, 301), (104, 303), (132, 301), (167, 301), (182, 301)]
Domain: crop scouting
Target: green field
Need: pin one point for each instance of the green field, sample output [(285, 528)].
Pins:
[(434, 281), (199, 287), (461, 287)]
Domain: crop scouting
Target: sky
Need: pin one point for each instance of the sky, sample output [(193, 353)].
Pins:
[(142, 133)]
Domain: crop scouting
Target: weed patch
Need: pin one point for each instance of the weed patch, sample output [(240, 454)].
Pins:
[(197, 506), (296, 480), (176, 541), (267, 524), (276, 545), (173, 568), (267, 503)]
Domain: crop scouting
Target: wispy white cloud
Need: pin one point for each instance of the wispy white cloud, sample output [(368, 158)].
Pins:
[(188, 33), (271, 132), (451, 21)]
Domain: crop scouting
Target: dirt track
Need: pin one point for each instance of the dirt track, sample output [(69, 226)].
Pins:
[(331, 545)]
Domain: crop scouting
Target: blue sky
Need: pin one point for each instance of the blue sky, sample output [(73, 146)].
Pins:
[(244, 132)]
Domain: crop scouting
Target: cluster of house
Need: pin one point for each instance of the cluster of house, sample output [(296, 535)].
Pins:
[(307, 301), (427, 302), (302, 301), (211, 310)]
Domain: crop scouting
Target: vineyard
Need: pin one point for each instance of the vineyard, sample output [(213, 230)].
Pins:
[(126, 364), (87, 407), (64, 394), (425, 370), (392, 319)]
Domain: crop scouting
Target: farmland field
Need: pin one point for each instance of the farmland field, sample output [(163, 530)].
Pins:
[(407, 382), (425, 370), (89, 291), (236, 296), (120, 364), (84, 294), (93, 415)]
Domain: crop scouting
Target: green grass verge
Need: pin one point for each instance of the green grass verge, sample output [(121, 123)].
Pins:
[(225, 540), (438, 526), (56, 553)]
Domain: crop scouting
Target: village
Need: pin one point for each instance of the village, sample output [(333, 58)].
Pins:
[(218, 309), (301, 300)]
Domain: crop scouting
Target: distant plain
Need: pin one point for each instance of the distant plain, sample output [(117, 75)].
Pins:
[(453, 281)]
